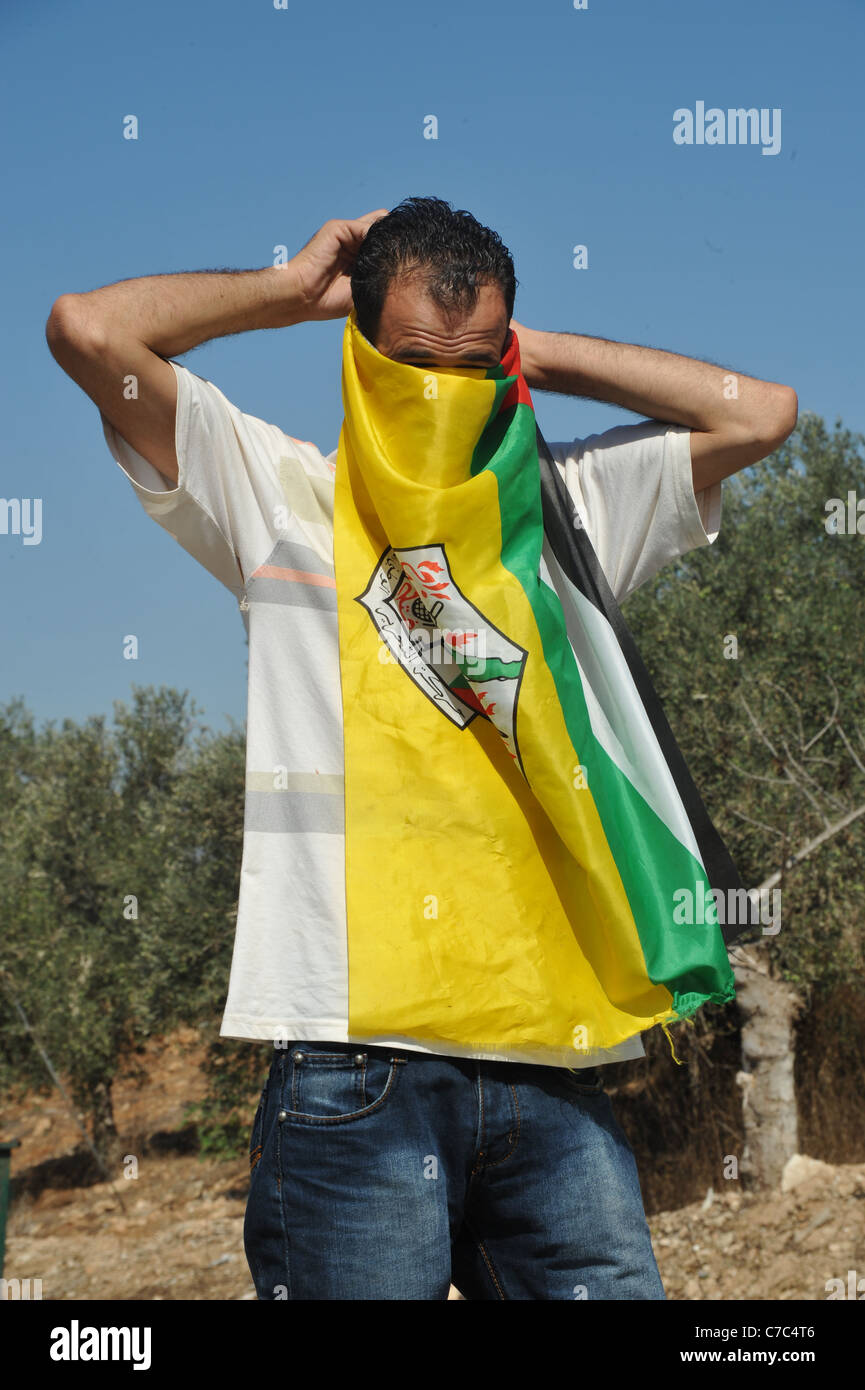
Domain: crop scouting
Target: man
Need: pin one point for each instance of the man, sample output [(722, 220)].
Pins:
[(392, 1157)]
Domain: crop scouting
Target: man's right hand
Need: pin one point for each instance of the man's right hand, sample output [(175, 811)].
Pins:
[(322, 269), (107, 337)]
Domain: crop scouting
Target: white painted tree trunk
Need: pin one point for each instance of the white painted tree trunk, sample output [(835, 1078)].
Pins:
[(769, 1008)]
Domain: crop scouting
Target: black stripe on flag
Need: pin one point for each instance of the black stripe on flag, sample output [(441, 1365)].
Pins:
[(574, 552)]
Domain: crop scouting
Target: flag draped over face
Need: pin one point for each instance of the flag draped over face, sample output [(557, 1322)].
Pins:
[(521, 829)]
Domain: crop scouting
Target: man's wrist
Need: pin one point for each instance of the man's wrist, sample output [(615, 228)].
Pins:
[(288, 304), (533, 353)]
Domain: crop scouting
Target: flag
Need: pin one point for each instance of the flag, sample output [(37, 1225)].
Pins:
[(522, 834)]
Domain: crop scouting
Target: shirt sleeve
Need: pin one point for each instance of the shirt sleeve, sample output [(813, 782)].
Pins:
[(633, 489), (235, 473)]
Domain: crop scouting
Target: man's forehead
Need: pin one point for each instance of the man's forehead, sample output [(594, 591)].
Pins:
[(413, 327)]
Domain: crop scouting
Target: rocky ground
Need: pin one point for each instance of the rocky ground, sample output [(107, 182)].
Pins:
[(174, 1231)]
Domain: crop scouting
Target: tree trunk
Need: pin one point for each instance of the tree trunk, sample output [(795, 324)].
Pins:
[(106, 1141), (768, 1007)]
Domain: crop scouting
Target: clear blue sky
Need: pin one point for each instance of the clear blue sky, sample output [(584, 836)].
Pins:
[(257, 124)]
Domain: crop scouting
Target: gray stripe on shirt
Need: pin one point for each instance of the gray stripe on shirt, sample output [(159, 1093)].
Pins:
[(287, 812), (292, 592)]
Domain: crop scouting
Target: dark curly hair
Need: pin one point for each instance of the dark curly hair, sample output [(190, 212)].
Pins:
[(452, 252)]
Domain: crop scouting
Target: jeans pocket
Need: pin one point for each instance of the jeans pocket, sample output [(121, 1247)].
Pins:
[(255, 1134), (586, 1081), (334, 1083)]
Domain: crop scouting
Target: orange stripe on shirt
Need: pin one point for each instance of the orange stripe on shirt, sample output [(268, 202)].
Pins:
[(294, 576)]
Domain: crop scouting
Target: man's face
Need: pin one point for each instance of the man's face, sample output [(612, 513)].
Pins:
[(414, 329)]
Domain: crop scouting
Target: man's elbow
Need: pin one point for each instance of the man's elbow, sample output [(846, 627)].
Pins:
[(71, 324), (777, 420)]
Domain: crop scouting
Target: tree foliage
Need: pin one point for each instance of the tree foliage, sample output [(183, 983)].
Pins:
[(774, 735), (119, 856)]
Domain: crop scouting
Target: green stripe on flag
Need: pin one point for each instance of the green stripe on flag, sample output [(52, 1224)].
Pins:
[(638, 838)]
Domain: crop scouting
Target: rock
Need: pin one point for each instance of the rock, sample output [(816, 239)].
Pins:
[(800, 1171)]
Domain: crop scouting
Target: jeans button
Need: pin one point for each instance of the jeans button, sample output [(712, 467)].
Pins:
[(297, 1056), (358, 1057), (283, 1115)]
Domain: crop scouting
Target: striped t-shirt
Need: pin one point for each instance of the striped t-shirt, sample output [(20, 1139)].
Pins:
[(255, 507)]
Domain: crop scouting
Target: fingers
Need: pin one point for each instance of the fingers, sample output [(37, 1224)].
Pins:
[(355, 228), (350, 235), (370, 217), (359, 226)]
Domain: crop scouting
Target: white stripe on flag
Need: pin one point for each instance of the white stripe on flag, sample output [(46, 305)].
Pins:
[(620, 724)]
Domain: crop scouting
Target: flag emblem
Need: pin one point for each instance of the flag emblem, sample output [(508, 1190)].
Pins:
[(452, 652)]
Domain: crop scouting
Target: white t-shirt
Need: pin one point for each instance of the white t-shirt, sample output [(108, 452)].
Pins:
[(255, 507)]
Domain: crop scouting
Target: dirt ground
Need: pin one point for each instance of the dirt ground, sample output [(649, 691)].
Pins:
[(175, 1231)]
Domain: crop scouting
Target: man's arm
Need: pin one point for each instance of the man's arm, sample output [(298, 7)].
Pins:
[(107, 336), (728, 431)]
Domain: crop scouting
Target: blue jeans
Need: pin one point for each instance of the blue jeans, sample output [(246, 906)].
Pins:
[(385, 1174)]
